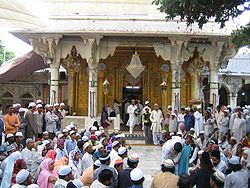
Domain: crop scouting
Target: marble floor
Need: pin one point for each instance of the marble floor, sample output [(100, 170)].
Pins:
[(150, 160)]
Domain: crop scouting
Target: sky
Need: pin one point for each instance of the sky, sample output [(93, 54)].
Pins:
[(38, 9)]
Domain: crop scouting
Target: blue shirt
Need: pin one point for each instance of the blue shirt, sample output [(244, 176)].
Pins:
[(189, 121), (70, 145), (184, 159)]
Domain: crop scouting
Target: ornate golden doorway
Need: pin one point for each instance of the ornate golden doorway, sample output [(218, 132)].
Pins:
[(149, 80)]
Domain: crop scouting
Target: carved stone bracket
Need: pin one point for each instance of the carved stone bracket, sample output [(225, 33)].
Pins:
[(45, 45)]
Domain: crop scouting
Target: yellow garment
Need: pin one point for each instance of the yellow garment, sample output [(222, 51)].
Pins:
[(87, 176), (61, 162), (165, 180)]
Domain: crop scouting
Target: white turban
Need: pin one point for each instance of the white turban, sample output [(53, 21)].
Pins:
[(21, 176)]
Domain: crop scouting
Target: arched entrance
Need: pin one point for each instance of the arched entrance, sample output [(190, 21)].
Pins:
[(26, 99), (244, 95), (223, 96), (7, 98)]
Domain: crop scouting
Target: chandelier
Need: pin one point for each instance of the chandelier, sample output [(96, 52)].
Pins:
[(135, 68)]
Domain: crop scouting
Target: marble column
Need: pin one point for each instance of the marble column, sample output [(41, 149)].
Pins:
[(54, 83), (233, 99), (176, 88), (92, 97), (214, 85)]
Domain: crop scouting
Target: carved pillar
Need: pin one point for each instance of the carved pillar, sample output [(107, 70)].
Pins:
[(54, 82), (92, 100), (176, 62), (215, 53), (233, 99)]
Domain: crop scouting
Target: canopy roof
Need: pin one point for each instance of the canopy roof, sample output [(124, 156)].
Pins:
[(20, 66)]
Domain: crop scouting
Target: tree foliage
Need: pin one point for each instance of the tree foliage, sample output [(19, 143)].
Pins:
[(8, 54), (241, 37), (201, 11)]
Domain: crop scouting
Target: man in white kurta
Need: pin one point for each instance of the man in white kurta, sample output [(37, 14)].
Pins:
[(87, 159), (156, 118), (239, 128), (224, 124), (28, 153), (132, 117), (198, 124)]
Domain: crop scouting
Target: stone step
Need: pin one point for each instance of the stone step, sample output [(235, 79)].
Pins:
[(134, 137)]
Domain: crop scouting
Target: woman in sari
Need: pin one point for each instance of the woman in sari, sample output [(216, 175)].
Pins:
[(19, 165), (61, 162), (47, 176), (75, 163)]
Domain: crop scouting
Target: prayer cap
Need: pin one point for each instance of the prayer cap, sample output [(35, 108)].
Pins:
[(115, 143), (136, 174), (32, 104), (200, 152), (33, 186), (198, 106), (64, 170), (50, 105), (192, 129), (29, 140), (62, 104), (98, 133), (93, 128), (169, 106), (39, 101), (45, 132), (72, 132), (22, 109), (56, 104), (83, 130), (219, 176), (233, 138), (171, 134), (85, 138), (86, 145), (77, 183), (235, 160), (122, 150), (101, 128), (99, 146), (9, 135), (39, 106), (65, 130), (119, 161), (46, 142), (202, 132), (60, 135), (168, 163), (146, 102), (133, 158), (14, 105), (173, 114), (21, 176), (19, 134)]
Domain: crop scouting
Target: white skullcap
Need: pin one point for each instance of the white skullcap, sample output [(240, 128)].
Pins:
[(115, 143), (233, 138), (179, 132), (146, 102), (98, 133), (122, 150), (72, 132), (22, 109), (122, 135), (32, 104), (187, 108), (171, 134), (198, 106), (245, 111), (33, 186), (173, 114), (56, 104), (235, 160), (136, 174), (97, 163), (65, 130), (227, 111), (93, 128), (62, 104), (168, 163), (85, 138), (83, 130), (169, 106), (50, 105), (133, 157), (200, 152), (86, 145), (202, 132), (9, 135), (101, 128), (45, 132), (39, 106), (15, 106), (58, 132), (77, 134), (19, 134), (228, 106), (45, 142), (21, 176), (192, 129), (77, 183), (99, 146), (39, 101), (64, 170), (60, 135), (29, 140)]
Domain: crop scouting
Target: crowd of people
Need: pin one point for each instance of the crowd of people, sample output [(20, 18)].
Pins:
[(200, 150)]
